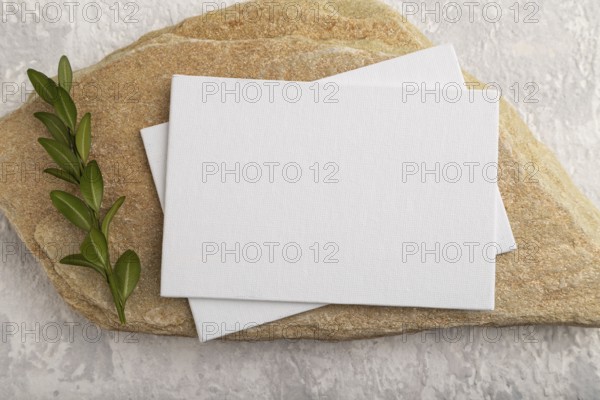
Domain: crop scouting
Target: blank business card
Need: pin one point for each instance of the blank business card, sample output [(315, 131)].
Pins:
[(293, 197)]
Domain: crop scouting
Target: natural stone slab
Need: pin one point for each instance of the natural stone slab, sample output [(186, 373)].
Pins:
[(552, 279)]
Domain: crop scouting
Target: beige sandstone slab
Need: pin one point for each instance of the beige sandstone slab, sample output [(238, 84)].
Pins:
[(552, 279)]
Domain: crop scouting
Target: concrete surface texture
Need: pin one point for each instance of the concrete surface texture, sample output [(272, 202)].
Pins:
[(544, 56)]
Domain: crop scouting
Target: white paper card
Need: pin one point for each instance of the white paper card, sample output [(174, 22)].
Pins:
[(329, 236)]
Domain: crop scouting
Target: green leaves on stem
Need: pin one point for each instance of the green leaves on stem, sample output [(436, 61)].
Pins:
[(65, 73), (62, 155), (73, 209), (70, 148), (81, 261), (65, 108), (44, 86), (127, 271), (55, 126), (92, 186), (95, 248), (60, 174), (110, 214), (83, 137)]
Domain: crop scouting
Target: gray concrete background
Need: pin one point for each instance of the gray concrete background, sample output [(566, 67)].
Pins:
[(53, 353)]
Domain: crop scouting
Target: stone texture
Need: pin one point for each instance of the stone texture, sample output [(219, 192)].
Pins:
[(552, 279)]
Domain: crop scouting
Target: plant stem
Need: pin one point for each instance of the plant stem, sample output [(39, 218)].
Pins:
[(58, 96)]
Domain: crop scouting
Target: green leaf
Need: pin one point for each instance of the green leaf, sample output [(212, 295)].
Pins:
[(65, 73), (110, 214), (44, 86), (95, 248), (62, 155), (55, 126), (73, 209), (80, 261), (83, 137), (127, 271), (60, 174), (92, 186), (65, 108)]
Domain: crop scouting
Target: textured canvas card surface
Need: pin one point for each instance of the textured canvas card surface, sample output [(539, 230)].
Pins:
[(325, 238)]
